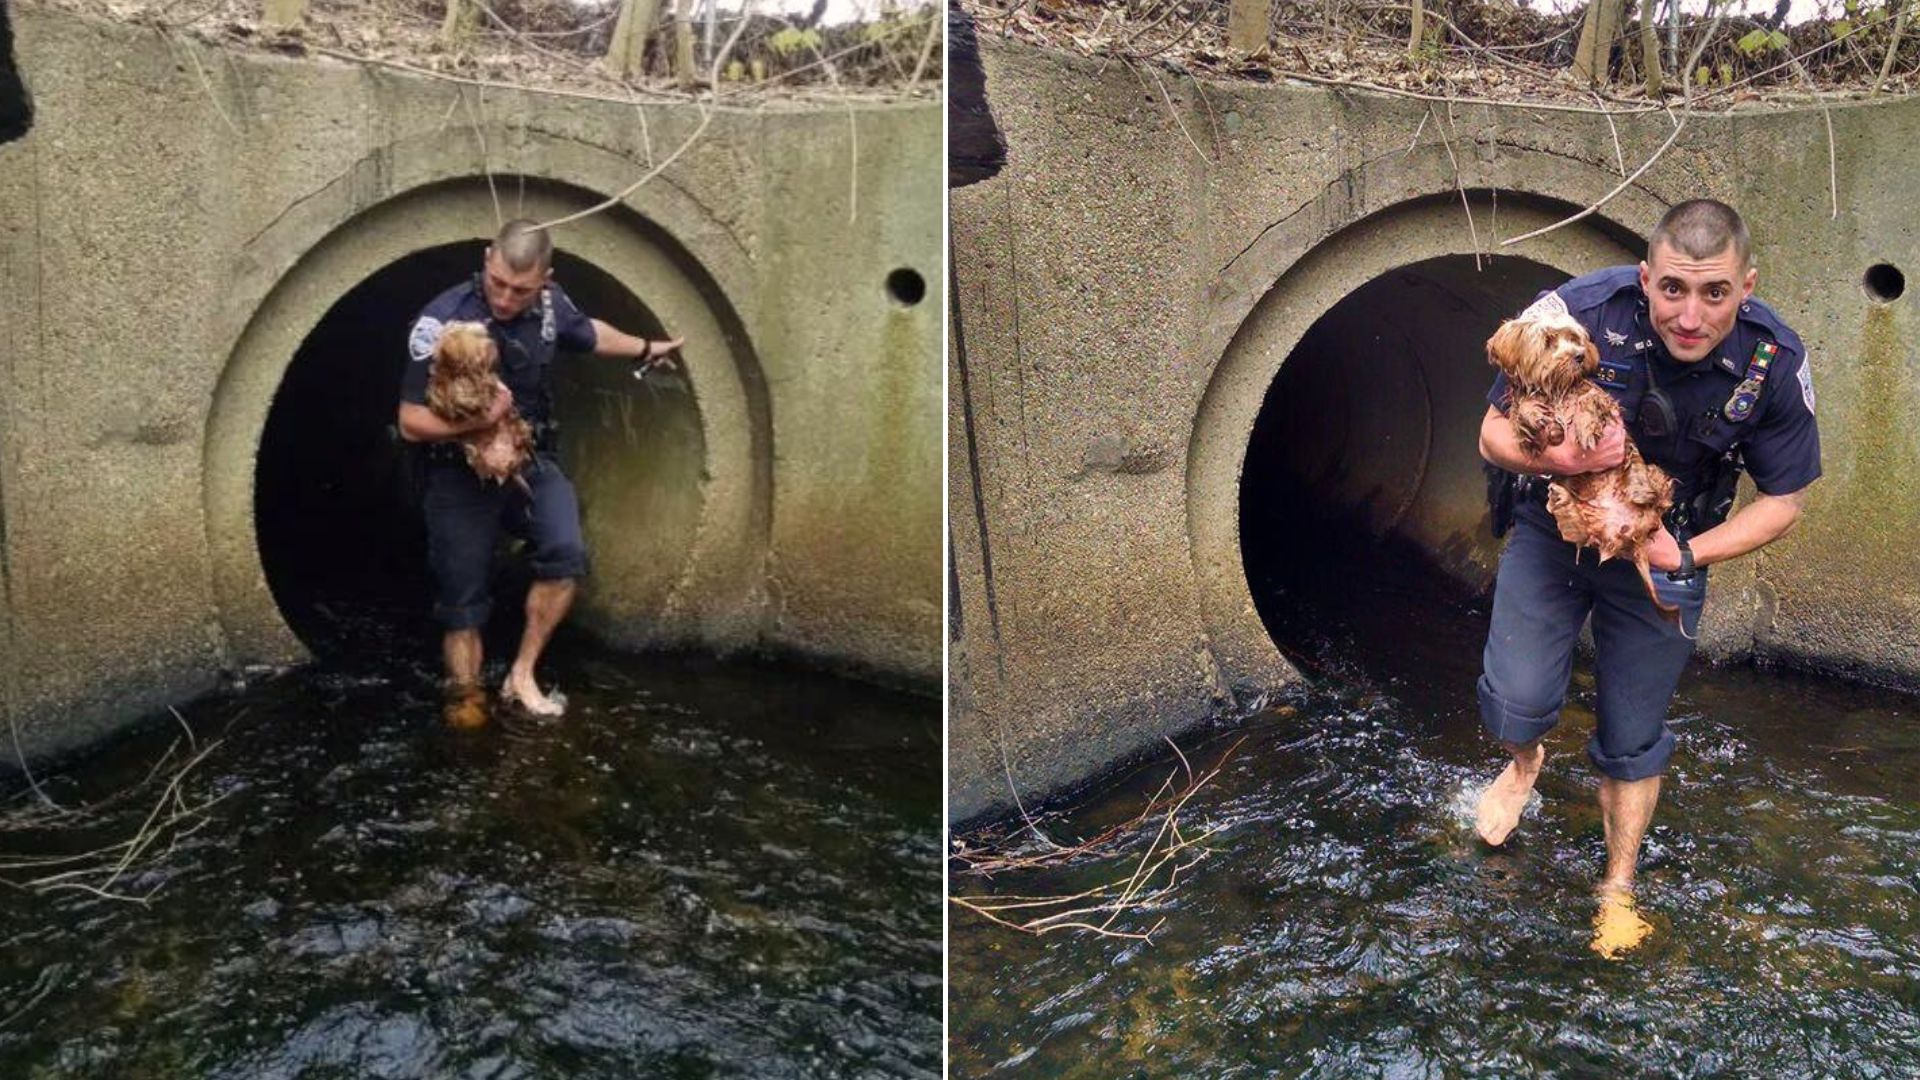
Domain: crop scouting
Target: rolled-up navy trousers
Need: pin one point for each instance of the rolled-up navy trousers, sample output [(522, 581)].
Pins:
[(1545, 590), (465, 517)]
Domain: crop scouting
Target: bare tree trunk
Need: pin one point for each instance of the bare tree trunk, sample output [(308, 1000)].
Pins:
[(1419, 28), (1247, 25), (627, 53), (1596, 40), (683, 43), (1899, 27), (461, 17), (1650, 50), (285, 14)]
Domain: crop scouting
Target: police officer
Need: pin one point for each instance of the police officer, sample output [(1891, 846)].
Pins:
[(530, 318), (1710, 381)]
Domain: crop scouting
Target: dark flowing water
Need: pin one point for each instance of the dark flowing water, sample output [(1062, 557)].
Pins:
[(1348, 923), (706, 869)]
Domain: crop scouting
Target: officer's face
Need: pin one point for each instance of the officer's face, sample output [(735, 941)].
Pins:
[(1692, 301), (509, 291)]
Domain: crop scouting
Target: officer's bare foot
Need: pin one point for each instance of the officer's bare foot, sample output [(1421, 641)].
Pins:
[(465, 708), (1506, 797), (1617, 926), (520, 689)]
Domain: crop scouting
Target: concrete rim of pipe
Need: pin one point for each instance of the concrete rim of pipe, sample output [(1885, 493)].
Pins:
[(1306, 275), (712, 593)]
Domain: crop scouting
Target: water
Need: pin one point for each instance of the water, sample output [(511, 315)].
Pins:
[(707, 869), (1347, 922)]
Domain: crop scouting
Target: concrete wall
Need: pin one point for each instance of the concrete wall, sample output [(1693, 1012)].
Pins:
[(167, 242), (1129, 286)]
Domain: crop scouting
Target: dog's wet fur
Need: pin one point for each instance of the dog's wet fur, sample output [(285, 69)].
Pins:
[(1551, 398), (461, 386)]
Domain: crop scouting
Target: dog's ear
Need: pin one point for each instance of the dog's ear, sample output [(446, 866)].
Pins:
[(1504, 347)]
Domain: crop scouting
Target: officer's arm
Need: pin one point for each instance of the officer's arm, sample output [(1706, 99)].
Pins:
[(612, 344), (1754, 526), (419, 424), (1500, 447)]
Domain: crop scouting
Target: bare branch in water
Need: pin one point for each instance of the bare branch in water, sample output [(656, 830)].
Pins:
[(1151, 880), (173, 818)]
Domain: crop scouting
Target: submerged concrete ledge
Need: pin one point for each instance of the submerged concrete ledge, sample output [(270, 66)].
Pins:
[(1130, 286), (173, 231)]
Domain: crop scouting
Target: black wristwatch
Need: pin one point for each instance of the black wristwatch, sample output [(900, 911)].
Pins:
[(1686, 571)]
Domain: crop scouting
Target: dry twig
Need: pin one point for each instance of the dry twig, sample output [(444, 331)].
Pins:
[(1169, 853)]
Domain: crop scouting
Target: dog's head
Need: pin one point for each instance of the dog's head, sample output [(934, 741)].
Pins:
[(1547, 355), (465, 351)]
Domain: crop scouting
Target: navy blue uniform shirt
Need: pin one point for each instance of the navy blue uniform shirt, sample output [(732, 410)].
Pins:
[(1777, 437), (526, 343)]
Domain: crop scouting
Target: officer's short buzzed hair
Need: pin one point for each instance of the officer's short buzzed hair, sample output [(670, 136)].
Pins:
[(524, 245), (1701, 229)]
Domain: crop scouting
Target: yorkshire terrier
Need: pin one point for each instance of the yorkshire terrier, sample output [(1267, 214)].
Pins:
[(1547, 361), (461, 386)]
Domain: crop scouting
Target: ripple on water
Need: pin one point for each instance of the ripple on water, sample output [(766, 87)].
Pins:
[(1348, 922), (685, 878)]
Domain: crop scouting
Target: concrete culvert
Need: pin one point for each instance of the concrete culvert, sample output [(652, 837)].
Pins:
[(336, 501), (1368, 433)]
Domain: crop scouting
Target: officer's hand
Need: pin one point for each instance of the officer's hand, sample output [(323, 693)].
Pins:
[(1568, 459), (502, 401), (1663, 552), (661, 353)]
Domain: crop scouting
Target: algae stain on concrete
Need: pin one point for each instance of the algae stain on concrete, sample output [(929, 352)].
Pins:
[(1880, 498), (897, 418)]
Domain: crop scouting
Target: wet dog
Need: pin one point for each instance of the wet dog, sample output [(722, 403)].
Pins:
[(1547, 361), (461, 386)]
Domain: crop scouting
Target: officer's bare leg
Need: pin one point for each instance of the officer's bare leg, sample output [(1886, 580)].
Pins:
[(547, 604), (1506, 797), (466, 705), (461, 651), (1626, 808)]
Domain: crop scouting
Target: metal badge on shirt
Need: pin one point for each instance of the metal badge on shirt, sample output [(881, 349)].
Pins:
[(1747, 394)]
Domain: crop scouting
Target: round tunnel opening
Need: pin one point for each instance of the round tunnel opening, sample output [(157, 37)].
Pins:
[(337, 494), (1363, 465)]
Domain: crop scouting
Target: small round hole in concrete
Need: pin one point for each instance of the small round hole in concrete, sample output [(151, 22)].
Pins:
[(907, 286), (1884, 282)]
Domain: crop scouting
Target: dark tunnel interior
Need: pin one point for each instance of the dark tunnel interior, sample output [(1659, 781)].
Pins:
[(16, 103), (336, 496), (1362, 490)]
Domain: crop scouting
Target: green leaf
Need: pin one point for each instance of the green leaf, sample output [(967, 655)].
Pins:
[(1777, 40), (1753, 42), (789, 41), (1703, 76), (1842, 28)]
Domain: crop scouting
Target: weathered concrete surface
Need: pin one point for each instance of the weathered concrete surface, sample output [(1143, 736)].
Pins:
[(168, 245), (1130, 285)]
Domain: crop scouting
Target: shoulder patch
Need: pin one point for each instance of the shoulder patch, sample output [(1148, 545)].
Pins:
[(1548, 305), (1806, 383), (424, 336)]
